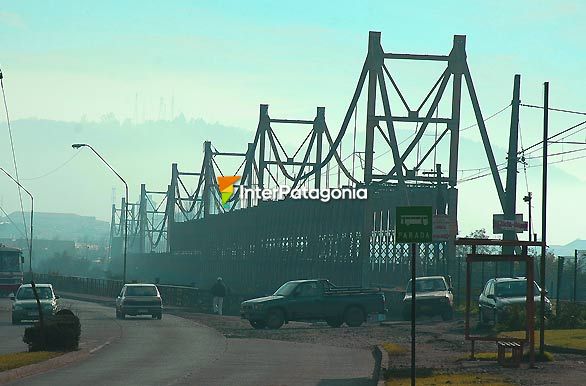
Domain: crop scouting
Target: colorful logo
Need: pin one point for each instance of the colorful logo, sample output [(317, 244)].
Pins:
[(226, 186)]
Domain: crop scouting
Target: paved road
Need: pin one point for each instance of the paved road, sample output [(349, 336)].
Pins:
[(177, 351)]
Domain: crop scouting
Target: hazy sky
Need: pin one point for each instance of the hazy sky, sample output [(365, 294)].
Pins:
[(218, 60)]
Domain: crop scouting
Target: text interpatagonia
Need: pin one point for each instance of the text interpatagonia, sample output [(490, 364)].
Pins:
[(303, 193)]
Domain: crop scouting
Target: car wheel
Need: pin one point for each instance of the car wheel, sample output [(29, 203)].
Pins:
[(275, 319), (258, 324), (354, 317), (160, 316), (406, 313), (448, 315), (334, 322)]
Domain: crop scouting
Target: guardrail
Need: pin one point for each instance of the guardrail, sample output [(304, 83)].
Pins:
[(192, 298)]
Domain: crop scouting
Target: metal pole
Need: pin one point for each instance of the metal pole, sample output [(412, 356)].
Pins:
[(528, 199), (544, 219), (575, 273), (413, 308), (30, 247), (557, 292)]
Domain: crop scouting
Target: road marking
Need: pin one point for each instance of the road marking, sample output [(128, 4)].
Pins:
[(92, 351)]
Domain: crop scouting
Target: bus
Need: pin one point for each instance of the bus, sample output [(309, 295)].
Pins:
[(11, 276)]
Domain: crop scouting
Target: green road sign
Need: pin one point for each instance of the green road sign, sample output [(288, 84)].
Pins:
[(413, 224)]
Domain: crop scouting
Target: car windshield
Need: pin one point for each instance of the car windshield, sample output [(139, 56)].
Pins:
[(26, 293), (428, 285), (285, 289), (511, 289), (9, 262), (141, 291)]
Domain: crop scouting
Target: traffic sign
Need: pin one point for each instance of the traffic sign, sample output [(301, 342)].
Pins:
[(500, 225), (445, 228), (413, 224)]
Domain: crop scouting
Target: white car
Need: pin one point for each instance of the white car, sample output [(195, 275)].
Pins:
[(24, 306), (139, 299)]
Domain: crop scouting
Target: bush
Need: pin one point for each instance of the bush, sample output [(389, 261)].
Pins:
[(61, 333), (515, 320), (570, 316)]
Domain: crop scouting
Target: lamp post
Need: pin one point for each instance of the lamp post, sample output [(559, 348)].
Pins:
[(80, 145), (30, 245)]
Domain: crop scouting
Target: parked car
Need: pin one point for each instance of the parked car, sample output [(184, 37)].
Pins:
[(501, 294), (24, 306), (139, 299), (305, 300), (433, 296)]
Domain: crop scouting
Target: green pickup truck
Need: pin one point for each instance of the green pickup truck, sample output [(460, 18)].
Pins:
[(305, 300)]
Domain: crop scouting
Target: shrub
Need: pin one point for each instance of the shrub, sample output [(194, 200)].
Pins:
[(61, 333), (570, 316)]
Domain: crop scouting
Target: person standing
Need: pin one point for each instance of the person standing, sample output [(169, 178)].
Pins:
[(219, 293)]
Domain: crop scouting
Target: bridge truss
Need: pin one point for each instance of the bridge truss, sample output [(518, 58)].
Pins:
[(255, 241)]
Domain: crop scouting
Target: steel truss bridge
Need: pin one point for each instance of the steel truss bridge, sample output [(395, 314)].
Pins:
[(257, 244)]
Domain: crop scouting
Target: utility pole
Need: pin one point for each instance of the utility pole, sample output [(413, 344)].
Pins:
[(544, 219), (527, 199), (575, 273), (559, 284)]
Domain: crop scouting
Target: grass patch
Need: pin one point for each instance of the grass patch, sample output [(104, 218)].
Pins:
[(573, 339), (19, 359), (394, 349), (453, 379)]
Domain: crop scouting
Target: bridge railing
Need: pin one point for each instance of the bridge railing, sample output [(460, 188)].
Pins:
[(191, 298)]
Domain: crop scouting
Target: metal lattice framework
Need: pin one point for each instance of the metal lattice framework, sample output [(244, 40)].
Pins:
[(266, 162)]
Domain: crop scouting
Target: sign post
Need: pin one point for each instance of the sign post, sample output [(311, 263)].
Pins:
[(413, 224)]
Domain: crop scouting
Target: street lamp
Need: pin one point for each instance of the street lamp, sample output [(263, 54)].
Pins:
[(30, 245), (80, 145)]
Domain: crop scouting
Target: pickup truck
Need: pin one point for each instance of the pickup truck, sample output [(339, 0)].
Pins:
[(305, 300)]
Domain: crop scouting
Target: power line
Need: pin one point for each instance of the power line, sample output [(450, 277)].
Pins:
[(13, 154), (54, 170), (560, 153), (558, 134), (554, 109), (486, 119), (13, 223)]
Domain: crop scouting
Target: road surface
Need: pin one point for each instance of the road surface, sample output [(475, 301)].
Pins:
[(177, 351)]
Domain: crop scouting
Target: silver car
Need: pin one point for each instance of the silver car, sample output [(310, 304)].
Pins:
[(139, 299), (500, 295), (24, 306)]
